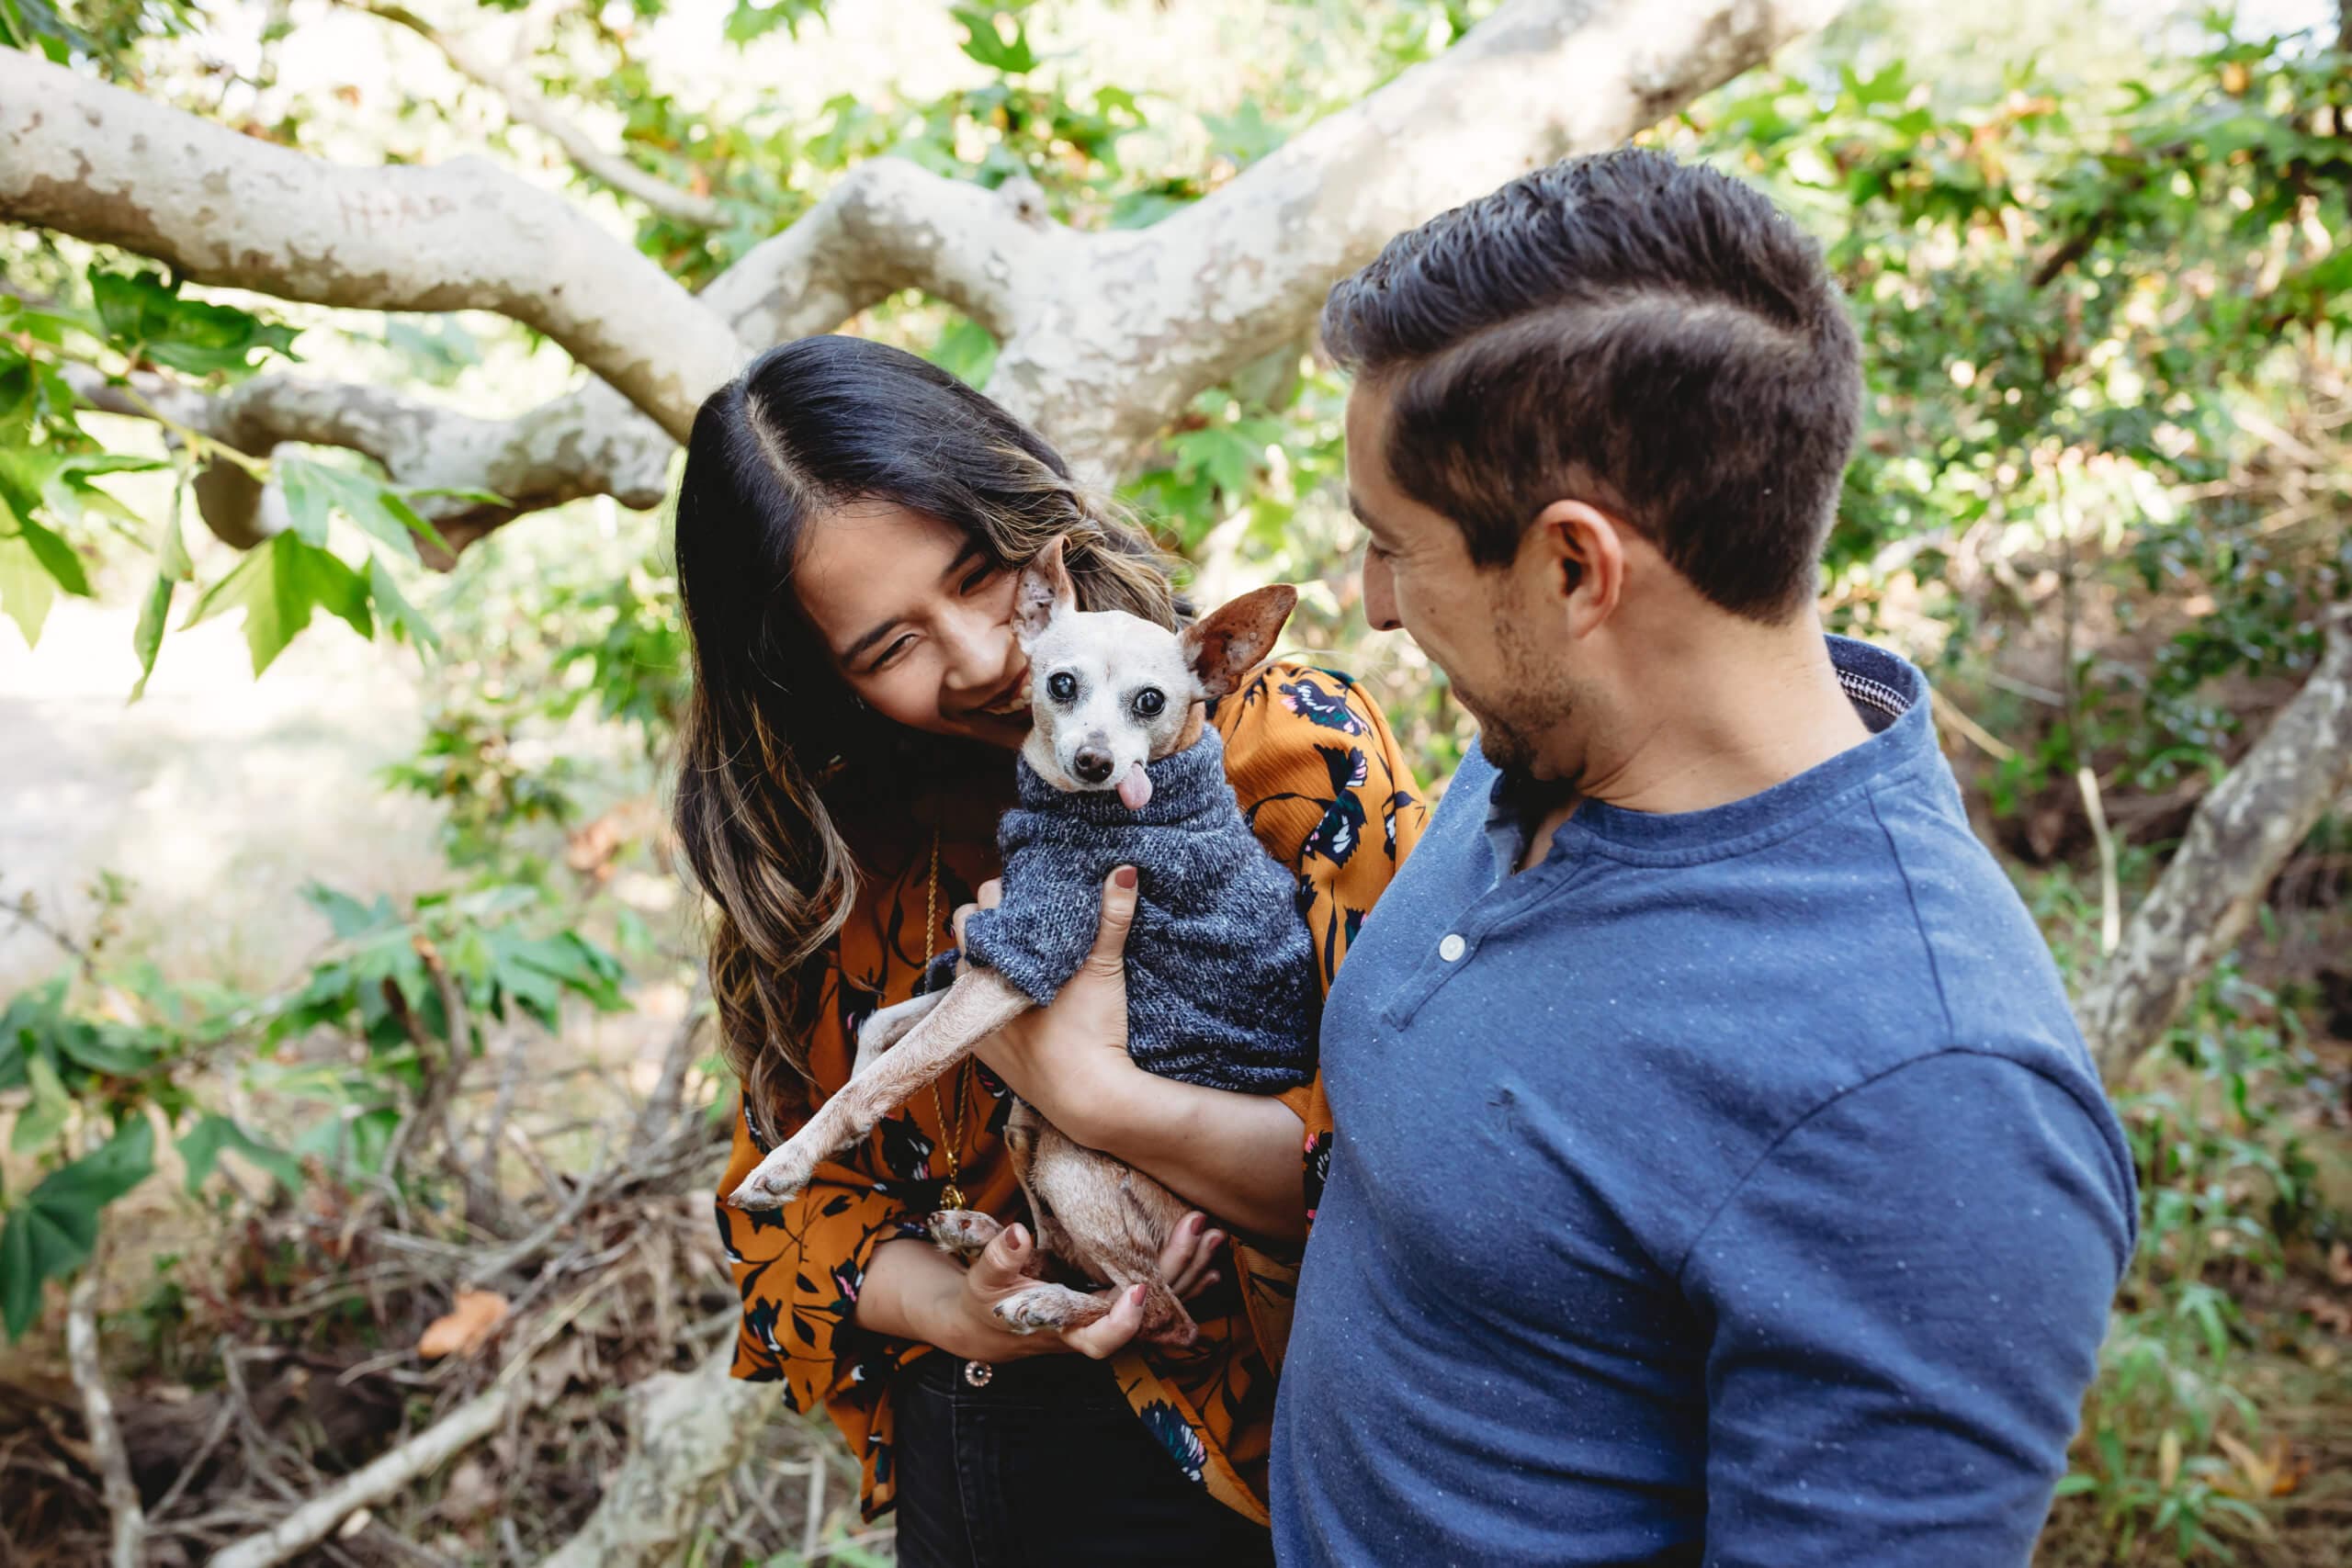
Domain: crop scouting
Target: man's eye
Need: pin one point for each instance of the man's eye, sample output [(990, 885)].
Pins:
[(1149, 702), (1062, 687)]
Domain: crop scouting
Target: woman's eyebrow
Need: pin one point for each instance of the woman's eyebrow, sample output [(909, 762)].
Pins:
[(964, 557), (857, 650)]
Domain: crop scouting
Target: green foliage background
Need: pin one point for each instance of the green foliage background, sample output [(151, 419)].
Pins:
[(2104, 286)]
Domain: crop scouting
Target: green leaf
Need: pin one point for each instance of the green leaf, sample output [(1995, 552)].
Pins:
[(314, 489), (278, 585), (39, 1123), (984, 43), (748, 21), (57, 557), (104, 1048), (27, 590), (172, 569), (348, 916), (145, 317), (400, 617), (201, 1146), (52, 1232), (965, 351)]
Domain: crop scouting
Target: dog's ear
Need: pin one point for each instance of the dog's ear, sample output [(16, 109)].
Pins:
[(1043, 592), (1236, 638)]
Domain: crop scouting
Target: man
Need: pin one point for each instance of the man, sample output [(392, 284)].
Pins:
[(1719, 1175)]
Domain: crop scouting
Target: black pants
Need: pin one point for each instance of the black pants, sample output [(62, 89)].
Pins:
[(1046, 1467)]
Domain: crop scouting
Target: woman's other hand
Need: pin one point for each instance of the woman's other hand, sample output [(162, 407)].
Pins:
[(956, 1310)]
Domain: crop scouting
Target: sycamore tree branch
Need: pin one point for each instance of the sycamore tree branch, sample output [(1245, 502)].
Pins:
[(109, 167), (1106, 336), (886, 225), (591, 443), (528, 106), (1165, 312), (2240, 837)]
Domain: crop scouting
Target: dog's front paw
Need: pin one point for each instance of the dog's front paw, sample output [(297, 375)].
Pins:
[(777, 1179), (964, 1232)]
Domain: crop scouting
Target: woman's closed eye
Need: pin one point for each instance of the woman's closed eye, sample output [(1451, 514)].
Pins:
[(979, 579), (889, 655)]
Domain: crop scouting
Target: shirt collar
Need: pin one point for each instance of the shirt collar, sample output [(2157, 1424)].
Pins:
[(1890, 695)]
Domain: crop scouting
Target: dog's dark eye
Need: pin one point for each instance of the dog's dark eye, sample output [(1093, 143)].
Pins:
[(1062, 687), (1149, 702)]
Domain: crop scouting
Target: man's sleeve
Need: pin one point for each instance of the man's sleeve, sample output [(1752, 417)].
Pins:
[(1906, 1299)]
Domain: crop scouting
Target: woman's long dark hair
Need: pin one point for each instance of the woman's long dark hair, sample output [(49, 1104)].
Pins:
[(773, 742)]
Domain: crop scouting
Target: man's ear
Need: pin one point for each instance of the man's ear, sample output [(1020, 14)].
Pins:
[(1043, 592), (1581, 559), (1236, 640)]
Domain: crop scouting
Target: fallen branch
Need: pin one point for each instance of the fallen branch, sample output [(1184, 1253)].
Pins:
[(420, 1456), (97, 1410), (2242, 834)]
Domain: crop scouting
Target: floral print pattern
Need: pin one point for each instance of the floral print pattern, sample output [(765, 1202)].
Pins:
[(1312, 763)]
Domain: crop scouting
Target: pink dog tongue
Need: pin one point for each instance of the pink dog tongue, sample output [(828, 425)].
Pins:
[(1134, 790)]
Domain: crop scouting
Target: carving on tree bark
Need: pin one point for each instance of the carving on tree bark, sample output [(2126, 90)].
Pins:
[(1105, 337), (2240, 837)]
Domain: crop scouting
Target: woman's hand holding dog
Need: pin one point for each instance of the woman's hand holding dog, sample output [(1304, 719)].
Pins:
[(915, 1292)]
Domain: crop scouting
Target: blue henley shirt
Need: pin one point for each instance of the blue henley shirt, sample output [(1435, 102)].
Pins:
[(1733, 1187)]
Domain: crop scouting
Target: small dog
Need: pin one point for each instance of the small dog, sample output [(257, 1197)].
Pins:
[(1119, 769)]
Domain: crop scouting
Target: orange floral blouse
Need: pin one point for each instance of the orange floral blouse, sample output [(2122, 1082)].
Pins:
[(1320, 780)]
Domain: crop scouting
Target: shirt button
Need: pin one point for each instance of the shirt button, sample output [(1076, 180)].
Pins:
[(1453, 947)]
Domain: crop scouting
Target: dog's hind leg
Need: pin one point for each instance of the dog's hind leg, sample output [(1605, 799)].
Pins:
[(1111, 1221), (1056, 1307), (966, 1232)]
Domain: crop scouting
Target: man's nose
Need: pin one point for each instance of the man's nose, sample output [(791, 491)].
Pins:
[(1092, 765), (1379, 595)]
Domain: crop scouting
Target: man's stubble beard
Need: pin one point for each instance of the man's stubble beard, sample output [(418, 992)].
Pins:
[(1514, 725)]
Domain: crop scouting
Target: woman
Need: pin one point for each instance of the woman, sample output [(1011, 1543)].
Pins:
[(849, 528)]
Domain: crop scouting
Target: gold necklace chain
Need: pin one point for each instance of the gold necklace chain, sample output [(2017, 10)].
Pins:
[(951, 1196)]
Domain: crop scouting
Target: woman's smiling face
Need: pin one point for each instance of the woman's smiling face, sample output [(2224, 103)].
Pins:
[(919, 620)]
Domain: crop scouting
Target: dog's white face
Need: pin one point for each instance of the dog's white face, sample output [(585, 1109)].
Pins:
[(1111, 692)]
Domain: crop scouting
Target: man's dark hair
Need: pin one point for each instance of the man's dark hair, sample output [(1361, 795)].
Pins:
[(1656, 338)]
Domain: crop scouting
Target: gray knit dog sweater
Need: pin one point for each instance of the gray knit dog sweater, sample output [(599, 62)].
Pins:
[(1221, 968)]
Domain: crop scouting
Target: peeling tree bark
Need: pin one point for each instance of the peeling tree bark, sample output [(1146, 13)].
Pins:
[(109, 167), (1105, 336), (1101, 361), (2236, 843)]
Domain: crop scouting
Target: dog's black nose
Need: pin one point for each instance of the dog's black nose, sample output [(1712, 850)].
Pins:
[(1092, 766)]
